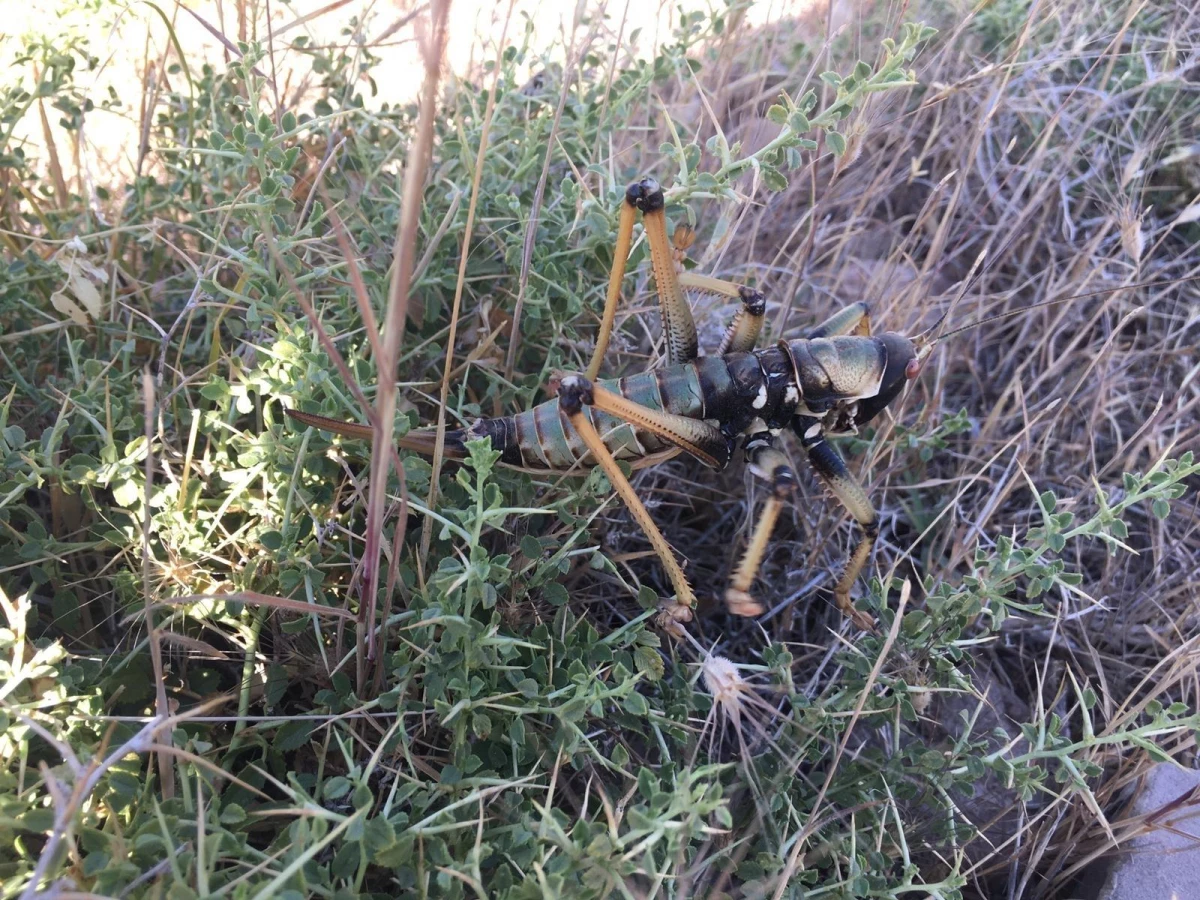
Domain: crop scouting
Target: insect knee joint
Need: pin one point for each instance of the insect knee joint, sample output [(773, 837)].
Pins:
[(755, 301), (645, 195), (574, 392), (783, 484)]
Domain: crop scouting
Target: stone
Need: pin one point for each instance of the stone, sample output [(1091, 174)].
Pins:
[(1162, 862)]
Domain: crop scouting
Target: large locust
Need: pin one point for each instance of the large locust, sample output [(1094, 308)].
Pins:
[(829, 382)]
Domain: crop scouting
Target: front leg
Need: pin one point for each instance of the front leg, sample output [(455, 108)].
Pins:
[(743, 331), (853, 319), (830, 466)]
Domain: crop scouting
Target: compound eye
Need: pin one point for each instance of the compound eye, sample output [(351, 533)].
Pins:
[(913, 369)]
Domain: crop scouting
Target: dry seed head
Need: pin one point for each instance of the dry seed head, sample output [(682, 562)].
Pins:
[(1133, 166), (737, 707), (1133, 241), (725, 683)]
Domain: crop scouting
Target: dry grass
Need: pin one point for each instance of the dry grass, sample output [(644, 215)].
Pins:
[(1066, 160), (1054, 143)]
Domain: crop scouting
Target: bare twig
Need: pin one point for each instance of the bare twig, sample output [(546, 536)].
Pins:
[(166, 769), (439, 447), (433, 48), (514, 341)]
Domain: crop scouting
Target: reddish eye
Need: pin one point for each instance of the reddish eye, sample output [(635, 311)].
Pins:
[(913, 369)]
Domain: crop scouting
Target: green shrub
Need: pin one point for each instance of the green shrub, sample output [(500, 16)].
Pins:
[(522, 729)]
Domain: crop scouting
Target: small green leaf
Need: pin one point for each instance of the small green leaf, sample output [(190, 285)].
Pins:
[(216, 390), (574, 709), (516, 733), (95, 863), (292, 735), (636, 704), (1161, 508), (619, 756), (840, 110), (647, 783), (127, 493), (555, 594), (647, 598), (649, 663), (773, 178), (777, 114), (481, 725), (232, 814), (336, 787), (395, 856), (837, 143)]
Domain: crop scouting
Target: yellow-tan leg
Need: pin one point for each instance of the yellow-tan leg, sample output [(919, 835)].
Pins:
[(695, 437), (615, 276), (831, 468), (769, 464), (743, 331), (573, 394), (679, 327), (853, 319)]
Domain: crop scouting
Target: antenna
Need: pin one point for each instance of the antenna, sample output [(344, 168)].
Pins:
[(924, 344), (1017, 312)]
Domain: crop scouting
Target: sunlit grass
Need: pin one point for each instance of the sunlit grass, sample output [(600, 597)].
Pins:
[(241, 659)]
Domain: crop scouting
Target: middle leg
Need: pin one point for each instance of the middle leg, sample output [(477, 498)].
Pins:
[(768, 463)]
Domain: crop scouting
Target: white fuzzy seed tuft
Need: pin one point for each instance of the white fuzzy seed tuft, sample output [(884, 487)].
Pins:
[(724, 682)]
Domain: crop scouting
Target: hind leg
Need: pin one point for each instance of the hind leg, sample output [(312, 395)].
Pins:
[(615, 276), (574, 393)]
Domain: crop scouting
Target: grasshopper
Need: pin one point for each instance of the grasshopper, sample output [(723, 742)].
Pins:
[(830, 382)]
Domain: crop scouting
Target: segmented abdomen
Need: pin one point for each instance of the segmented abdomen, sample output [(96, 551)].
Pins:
[(720, 388)]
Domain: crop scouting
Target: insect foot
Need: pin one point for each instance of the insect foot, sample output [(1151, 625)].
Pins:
[(672, 616), (740, 603)]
